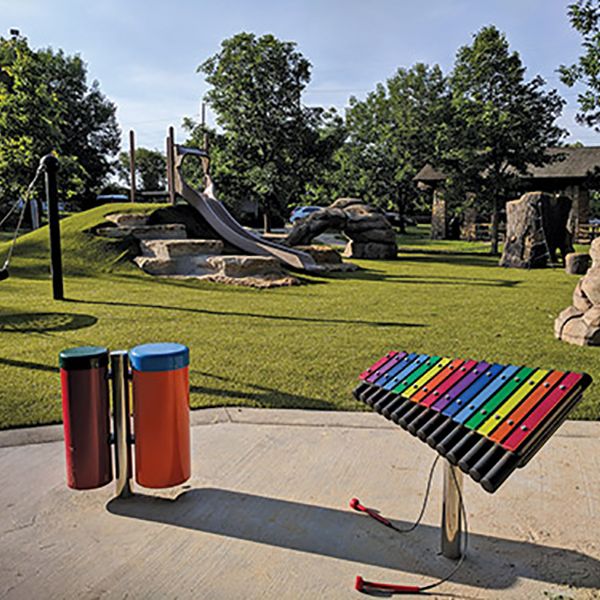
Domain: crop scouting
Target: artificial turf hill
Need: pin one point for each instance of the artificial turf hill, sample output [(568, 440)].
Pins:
[(299, 347)]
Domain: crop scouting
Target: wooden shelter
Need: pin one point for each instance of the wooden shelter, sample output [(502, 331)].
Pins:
[(571, 173)]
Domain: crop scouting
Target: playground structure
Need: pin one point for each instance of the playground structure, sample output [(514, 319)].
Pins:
[(49, 167), (218, 248), (216, 214), (579, 323)]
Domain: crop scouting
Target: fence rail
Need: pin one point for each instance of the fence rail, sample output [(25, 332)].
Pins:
[(587, 233)]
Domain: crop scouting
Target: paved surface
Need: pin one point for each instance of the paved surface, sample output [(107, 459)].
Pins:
[(265, 516)]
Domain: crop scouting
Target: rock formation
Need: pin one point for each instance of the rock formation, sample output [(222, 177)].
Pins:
[(580, 322), (370, 233), (167, 251), (536, 226)]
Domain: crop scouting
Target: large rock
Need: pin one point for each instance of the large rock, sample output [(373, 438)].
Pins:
[(178, 248), (536, 226), (580, 300), (371, 234), (370, 250), (128, 219), (327, 258), (172, 231), (595, 252), (580, 322), (577, 263)]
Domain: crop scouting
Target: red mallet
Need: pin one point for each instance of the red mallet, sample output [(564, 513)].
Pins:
[(356, 505), (364, 586)]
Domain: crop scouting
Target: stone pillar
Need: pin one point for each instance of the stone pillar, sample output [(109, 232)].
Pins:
[(580, 209), (468, 228), (439, 216)]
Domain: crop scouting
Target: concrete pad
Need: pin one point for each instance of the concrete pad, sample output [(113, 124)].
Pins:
[(266, 515)]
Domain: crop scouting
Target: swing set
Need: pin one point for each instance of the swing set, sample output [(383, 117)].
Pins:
[(49, 167)]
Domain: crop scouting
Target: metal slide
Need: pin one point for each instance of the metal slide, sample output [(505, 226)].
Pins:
[(223, 222)]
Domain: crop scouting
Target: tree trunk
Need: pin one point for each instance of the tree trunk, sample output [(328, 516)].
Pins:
[(495, 220), (401, 222), (266, 219)]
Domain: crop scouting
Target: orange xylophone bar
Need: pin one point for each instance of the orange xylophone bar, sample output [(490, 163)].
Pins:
[(488, 419)]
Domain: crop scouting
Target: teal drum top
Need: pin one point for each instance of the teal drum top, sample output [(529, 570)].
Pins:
[(159, 357), (83, 357)]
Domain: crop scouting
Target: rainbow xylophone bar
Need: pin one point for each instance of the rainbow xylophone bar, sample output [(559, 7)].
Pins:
[(488, 419)]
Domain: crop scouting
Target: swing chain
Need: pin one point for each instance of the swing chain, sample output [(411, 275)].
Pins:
[(25, 200)]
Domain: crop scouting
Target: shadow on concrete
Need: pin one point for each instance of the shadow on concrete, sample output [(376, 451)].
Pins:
[(492, 562), (249, 315), (44, 322)]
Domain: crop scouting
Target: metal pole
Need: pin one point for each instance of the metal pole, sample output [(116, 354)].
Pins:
[(132, 189), (50, 165), (451, 512), (119, 365)]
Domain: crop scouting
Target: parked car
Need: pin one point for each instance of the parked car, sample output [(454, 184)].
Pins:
[(301, 212)]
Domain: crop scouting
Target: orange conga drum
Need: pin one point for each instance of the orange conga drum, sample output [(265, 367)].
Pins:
[(161, 414)]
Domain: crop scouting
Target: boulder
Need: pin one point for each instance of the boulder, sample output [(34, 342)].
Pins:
[(580, 323), (564, 317), (577, 263), (595, 252), (382, 236), (536, 226), (327, 258), (370, 250), (590, 285), (371, 234), (580, 300), (576, 331), (128, 219)]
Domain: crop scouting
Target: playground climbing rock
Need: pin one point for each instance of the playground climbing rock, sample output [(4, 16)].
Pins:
[(580, 323)]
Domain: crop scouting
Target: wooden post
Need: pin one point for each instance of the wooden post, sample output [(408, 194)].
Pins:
[(205, 136), (171, 164), (132, 189)]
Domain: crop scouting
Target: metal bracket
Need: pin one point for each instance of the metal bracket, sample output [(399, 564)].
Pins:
[(119, 363)]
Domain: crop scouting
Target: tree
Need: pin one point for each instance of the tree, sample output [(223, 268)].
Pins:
[(391, 135), (47, 105), (272, 145), (501, 124), (151, 168), (585, 19)]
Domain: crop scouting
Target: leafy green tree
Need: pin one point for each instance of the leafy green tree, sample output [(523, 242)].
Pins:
[(272, 145), (47, 105), (391, 135), (585, 19), (501, 123), (151, 169)]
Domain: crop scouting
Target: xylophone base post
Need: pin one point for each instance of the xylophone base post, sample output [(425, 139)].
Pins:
[(451, 512)]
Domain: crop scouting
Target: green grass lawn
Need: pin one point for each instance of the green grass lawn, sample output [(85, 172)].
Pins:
[(295, 347)]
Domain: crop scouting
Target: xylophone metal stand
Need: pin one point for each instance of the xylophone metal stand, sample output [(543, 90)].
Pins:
[(119, 363), (451, 512)]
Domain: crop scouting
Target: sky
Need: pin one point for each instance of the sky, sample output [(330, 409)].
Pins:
[(145, 53)]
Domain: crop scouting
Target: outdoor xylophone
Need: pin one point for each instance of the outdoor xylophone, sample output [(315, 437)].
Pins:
[(486, 418)]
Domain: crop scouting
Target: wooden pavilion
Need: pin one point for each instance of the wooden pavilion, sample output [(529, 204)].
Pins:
[(572, 172)]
